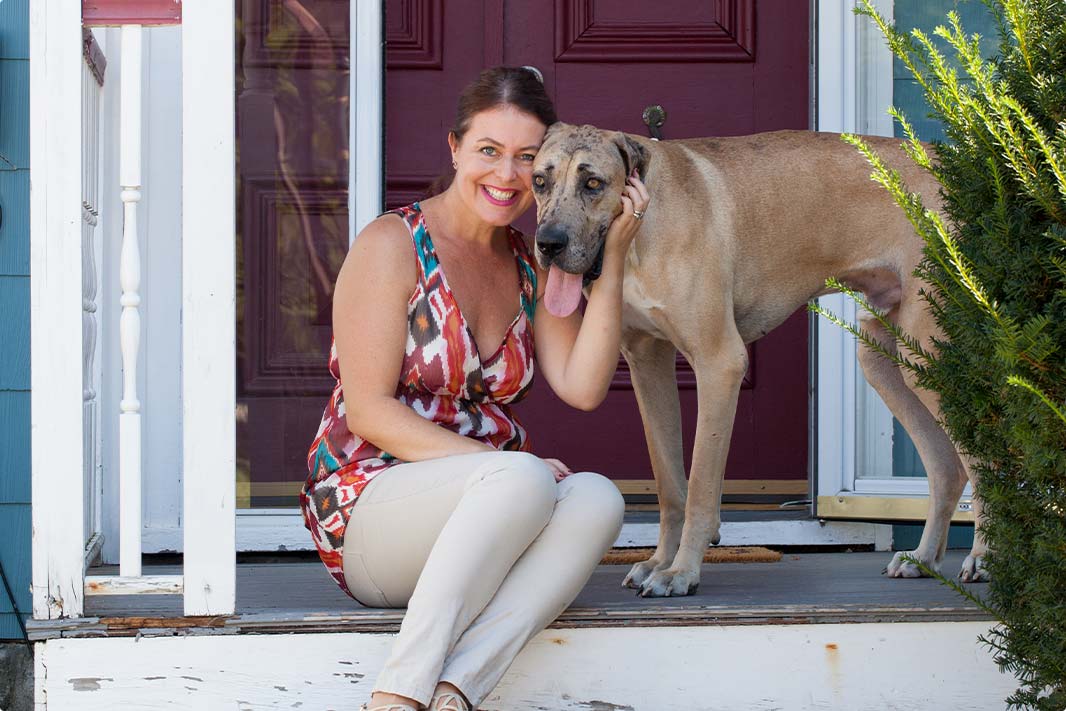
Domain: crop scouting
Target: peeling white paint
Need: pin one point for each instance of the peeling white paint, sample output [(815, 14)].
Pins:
[(903, 666)]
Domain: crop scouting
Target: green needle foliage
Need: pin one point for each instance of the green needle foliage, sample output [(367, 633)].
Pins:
[(995, 262)]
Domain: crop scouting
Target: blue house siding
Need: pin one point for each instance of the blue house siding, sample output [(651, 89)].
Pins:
[(15, 313)]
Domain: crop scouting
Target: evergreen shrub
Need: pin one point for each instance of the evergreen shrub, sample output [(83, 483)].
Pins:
[(995, 260)]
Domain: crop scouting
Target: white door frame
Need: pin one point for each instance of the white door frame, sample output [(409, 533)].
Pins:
[(854, 444), (282, 528)]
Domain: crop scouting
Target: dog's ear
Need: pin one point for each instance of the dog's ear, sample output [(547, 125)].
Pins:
[(633, 154)]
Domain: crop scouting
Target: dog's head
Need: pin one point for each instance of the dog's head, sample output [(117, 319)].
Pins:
[(578, 178)]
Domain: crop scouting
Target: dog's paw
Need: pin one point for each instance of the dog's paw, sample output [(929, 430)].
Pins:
[(902, 567), (670, 582), (639, 573), (973, 570)]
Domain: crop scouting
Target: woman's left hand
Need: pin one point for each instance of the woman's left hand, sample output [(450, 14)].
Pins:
[(560, 470), (624, 228)]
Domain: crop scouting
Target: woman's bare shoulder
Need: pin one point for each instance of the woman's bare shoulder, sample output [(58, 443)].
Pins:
[(387, 235), (383, 247)]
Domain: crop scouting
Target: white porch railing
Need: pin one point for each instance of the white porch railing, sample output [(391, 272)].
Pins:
[(63, 212)]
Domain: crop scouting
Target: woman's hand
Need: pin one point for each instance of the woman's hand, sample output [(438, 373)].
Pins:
[(560, 470), (624, 227), (578, 354)]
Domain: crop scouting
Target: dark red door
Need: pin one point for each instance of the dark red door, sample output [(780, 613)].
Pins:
[(720, 67)]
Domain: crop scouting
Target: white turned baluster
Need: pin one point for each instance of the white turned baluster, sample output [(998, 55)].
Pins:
[(90, 92), (130, 321)]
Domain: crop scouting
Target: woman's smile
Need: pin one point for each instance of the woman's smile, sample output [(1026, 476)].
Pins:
[(499, 196)]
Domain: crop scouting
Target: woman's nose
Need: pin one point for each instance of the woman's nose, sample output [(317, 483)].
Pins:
[(505, 169)]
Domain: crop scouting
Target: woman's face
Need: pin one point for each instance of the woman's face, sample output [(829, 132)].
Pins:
[(494, 163)]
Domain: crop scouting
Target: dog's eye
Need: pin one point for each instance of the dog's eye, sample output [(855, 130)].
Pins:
[(539, 181), (593, 184)]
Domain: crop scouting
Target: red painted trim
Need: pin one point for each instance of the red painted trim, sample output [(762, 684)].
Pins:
[(94, 56), (95, 13)]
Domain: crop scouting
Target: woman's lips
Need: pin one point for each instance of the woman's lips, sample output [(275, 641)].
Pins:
[(500, 198)]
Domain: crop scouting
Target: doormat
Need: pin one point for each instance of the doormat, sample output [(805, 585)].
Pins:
[(718, 554)]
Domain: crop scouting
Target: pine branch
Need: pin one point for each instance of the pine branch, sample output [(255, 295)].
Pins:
[(1020, 382)]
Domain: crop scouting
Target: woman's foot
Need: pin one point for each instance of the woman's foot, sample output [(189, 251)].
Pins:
[(390, 702), (447, 697)]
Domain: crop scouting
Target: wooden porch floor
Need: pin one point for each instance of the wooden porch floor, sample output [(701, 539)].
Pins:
[(803, 588)]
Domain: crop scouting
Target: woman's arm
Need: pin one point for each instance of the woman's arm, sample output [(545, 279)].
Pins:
[(578, 354), (370, 330)]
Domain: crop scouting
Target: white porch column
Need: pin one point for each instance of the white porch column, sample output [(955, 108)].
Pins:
[(208, 306), (366, 188), (129, 422), (57, 415)]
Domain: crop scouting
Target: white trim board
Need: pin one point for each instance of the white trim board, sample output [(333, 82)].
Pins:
[(279, 530), (854, 666)]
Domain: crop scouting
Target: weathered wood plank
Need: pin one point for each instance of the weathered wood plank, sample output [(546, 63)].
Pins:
[(208, 307), (56, 305), (808, 667), (133, 585), (801, 589)]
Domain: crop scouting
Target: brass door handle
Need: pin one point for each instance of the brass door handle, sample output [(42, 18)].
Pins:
[(654, 117)]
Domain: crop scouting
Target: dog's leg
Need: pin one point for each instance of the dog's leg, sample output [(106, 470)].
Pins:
[(718, 377), (651, 365), (973, 568), (938, 453)]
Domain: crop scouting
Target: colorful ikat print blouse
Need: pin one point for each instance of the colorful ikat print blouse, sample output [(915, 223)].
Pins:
[(443, 379)]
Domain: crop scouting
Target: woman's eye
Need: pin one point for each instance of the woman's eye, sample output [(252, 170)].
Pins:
[(527, 157), (488, 150), (593, 183)]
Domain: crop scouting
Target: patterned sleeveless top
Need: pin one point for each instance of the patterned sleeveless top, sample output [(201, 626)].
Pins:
[(444, 379)]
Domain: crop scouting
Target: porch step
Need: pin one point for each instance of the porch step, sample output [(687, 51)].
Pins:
[(870, 666), (754, 636), (806, 588)]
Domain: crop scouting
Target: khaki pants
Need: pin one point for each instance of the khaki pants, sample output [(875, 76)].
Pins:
[(485, 550)]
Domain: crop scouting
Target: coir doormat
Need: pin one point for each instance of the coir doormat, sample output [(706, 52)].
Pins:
[(718, 554)]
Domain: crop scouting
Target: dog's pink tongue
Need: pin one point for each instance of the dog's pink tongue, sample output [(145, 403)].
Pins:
[(562, 292)]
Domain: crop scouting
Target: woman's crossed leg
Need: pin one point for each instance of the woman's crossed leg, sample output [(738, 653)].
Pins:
[(485, 550)]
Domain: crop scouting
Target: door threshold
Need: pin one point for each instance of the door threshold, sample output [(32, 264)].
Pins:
[(781, 530)]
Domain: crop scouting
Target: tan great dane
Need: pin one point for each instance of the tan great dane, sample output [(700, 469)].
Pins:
[(739, 233)]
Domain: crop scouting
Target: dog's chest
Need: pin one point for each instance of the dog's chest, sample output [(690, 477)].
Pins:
[(641, 311)]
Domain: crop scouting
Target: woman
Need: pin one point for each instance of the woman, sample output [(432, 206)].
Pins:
[(422, 489)]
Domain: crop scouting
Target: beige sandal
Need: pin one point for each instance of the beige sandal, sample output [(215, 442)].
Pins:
[(448, 701)]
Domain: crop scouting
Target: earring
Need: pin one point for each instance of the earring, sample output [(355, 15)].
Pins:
[(455, 165)]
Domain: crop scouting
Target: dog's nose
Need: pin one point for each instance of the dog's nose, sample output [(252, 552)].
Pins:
[(551, 241)]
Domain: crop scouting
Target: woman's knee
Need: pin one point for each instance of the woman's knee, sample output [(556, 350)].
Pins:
[(598, 499), (523, 479)]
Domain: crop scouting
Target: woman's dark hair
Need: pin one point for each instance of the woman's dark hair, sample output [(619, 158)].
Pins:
[(520, 87)]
